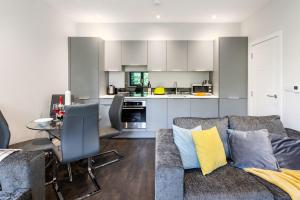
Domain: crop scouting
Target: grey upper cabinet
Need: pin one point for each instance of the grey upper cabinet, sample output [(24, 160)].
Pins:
[(200, 55), (134, 52), (113, 56), (205, 108), (84, 67), (233, 67), (157, 55), (178, 108), (233, 107), (177, 54), (157, 114)]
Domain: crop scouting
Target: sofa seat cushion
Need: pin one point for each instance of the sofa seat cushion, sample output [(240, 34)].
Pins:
[(206, 123), (20, 194), (226, 183), (278, 193), (250, 123)]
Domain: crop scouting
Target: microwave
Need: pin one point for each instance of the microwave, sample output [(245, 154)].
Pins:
[(207, 88)]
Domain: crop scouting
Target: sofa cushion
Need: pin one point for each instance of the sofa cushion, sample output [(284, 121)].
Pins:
[(210, 150), (250, 123), (206, 123), (252, 149), (287, 151), (184, 142), (278, 193), (226, 183)]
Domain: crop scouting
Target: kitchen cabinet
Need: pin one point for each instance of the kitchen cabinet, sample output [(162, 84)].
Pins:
[(84, 62), (233, 67), (178, 108), (113, 56), (157, 55), (233, 107), (157, 114), (134, 52), (200, 55), (205, 108), (103, 111), (177, 54)]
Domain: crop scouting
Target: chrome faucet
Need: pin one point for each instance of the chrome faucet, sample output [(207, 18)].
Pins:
[(175, 86)]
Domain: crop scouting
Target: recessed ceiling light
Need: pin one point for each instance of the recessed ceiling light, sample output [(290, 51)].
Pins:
[(157, 2), (157, 16), (214, 16)]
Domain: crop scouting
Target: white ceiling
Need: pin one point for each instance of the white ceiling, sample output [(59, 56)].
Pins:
[(112, 11)]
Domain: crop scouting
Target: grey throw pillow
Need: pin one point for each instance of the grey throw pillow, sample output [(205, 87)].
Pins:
[(252, 149), (286, 151)]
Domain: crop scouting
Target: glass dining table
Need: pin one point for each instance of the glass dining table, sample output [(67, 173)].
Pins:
[(52, 128)]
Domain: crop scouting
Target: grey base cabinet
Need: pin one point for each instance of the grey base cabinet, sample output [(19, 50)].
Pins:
[(178, 108), (233, 107), (103, 111), (205, 108), (156, 114)]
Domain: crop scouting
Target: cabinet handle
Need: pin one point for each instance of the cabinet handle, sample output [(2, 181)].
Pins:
[(272, 96), (233, 97)]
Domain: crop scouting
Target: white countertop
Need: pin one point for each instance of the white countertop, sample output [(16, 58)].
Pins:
[(172, 96)]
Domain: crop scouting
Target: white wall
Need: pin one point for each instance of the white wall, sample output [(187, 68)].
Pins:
[(158, 31), (33, 61), (282, 15)]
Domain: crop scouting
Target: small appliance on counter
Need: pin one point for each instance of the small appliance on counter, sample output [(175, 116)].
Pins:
[(159, 91), (111, 90), (202, 88)]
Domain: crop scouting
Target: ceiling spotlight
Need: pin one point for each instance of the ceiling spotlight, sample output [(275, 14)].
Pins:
[(214, 16), (157, 16), (156, 2)]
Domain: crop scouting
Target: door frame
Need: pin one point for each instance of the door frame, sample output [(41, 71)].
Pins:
[(251, 79)]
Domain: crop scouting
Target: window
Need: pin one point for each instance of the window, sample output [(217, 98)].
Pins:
[(136, 78)]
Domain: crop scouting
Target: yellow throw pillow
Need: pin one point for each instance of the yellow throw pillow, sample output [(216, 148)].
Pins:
[(210, 149)]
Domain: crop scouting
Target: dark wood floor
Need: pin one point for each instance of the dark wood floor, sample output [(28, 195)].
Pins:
[(130, 179)]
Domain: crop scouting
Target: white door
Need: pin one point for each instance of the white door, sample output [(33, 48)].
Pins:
[(265, 80)]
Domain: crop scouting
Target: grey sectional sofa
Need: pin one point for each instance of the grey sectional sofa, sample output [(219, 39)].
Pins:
[(22, 176), (172, 182)]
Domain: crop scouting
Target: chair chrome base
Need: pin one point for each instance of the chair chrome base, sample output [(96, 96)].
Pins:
[(91, 175), (119, 157)]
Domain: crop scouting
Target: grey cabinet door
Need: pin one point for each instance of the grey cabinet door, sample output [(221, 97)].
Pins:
[(204, 108), (233, 66), (84, 67), (200, 55), (233, 107), (134, 52), (104, 121), (177, 52), (157, 55), (113, 56), (178, 108), (157, 114)]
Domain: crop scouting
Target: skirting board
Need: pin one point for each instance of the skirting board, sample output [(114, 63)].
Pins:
[(137, 134)]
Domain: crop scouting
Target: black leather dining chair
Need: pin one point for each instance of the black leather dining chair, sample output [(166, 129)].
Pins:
[(115, 117), (38, 144), (79, 140)]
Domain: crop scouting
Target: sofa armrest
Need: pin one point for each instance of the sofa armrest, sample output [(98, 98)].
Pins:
[(169, 172), (293, 133), (24, 170)]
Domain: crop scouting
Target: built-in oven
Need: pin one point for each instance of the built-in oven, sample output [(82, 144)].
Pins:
[(134, 114)]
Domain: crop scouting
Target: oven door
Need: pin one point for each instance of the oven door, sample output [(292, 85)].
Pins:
[(134, 117)]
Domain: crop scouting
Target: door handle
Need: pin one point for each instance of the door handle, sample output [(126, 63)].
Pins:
[(272, 96)]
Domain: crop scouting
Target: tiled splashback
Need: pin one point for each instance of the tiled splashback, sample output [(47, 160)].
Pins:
[(164, 79)]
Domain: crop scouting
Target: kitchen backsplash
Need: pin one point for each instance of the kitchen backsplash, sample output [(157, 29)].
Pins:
[(164, 79)]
